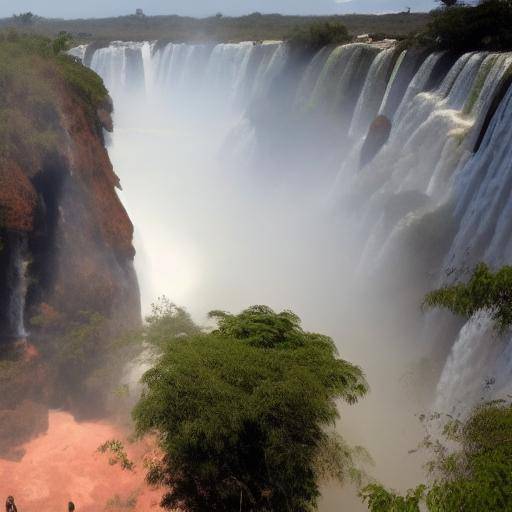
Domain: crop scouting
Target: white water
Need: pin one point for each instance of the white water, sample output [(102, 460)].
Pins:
[(17, 283), (226, 155)]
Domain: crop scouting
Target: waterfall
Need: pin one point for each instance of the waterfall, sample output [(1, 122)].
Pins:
[(373, 92), (303, 122), (478, 367), (17, 285)]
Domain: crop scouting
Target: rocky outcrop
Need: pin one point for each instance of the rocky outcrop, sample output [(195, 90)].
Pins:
[(378, 135)]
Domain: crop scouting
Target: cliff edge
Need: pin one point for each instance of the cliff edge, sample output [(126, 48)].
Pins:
[(66, 252)]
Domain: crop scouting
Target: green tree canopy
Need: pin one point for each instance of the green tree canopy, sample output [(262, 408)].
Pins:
[(243, 414), (465, 27), (485, 290), (167, 322), (319, 34)]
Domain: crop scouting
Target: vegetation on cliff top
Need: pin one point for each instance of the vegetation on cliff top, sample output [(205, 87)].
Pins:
[(244, 414), (463, 27), (317, 35), (34, 76), (253, 27)]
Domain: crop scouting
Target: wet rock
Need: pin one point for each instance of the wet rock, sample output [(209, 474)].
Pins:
[(378, 135)]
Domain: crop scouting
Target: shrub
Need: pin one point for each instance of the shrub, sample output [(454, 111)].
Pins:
[(318, 34), (486, 26), (471, 468), (485, 290)]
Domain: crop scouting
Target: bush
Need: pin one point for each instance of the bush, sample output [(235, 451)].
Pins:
[(485, 290), (486, 26), (242, 414), (317, 35), (474, 476)]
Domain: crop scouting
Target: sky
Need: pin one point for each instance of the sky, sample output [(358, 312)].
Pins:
[(106, 8)]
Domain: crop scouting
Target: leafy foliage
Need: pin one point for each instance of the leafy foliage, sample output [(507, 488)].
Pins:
[(317, 35), (241, 414), (485, 290), (475, 476), (261, 327), (380, 499), (167, 322), (25, 18), (87, 357), (464, 27), (118, 454)]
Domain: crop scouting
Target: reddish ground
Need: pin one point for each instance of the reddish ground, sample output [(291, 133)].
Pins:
[(64, 465)]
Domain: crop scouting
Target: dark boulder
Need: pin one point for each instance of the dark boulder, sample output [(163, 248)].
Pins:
[(378, 135)]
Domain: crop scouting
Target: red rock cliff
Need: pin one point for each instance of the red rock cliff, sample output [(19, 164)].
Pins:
[(66, 255)]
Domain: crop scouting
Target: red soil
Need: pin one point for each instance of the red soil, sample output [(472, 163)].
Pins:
[(64, 465)]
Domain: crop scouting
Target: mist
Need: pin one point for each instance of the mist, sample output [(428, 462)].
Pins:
[(229, 212), (323, 184)]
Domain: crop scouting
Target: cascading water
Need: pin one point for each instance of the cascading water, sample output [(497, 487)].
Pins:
[(249, 162), (431, 140), (17, 286)]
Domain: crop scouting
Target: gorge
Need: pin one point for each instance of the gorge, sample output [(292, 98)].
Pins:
[(343, 183), (386, 168), (401, 202)]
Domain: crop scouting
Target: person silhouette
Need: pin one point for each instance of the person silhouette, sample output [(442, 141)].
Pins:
[(10, 506)]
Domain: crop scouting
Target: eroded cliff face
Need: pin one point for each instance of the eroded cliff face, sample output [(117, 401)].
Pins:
[(66, 248), (61, 215)]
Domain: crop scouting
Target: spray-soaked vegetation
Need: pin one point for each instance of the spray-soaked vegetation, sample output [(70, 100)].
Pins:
[(244, 413), (87, 359), (317, 35), (471, 465), (485, 290), (470, 469)]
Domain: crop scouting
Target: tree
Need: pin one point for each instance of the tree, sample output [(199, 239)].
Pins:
[(475, 476), (485, 290), (448, 3), (462, 27), (243, 413), (317, 35), (167, 322), (62, 42), (25, 18)]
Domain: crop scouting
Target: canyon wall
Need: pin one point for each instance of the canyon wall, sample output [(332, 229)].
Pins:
[(66, 252)]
